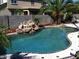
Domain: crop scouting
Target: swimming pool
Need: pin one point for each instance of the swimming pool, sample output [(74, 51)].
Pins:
[(48, 40)]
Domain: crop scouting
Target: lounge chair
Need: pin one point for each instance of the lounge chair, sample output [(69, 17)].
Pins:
[(28, 57), (72, 54), (16, 56), (19, 55)]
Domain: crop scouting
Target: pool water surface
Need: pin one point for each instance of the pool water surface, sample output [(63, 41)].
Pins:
[(48, 40)]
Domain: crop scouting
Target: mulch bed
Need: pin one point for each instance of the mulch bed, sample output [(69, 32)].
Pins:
[(10, 30)]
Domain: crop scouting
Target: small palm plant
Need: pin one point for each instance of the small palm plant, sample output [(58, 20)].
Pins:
[(77, 6), (36, 20), (18, 11), (4, 41)]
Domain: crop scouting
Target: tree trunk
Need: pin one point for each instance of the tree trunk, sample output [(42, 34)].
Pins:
[(58, 17)]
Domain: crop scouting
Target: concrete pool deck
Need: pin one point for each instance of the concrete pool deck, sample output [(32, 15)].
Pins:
[(73, 38), (72, 25)]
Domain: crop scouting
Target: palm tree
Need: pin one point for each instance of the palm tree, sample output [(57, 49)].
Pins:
[(4, 41), (56, 8)]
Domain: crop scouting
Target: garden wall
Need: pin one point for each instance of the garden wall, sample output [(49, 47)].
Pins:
[(14, 21)]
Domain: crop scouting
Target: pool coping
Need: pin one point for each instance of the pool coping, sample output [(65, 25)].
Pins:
[(61, 54)]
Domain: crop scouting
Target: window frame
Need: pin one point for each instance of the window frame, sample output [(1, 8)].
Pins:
[(14, 2)]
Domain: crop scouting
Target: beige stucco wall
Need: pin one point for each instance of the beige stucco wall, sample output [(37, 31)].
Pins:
[(23, 5), (4, 11)]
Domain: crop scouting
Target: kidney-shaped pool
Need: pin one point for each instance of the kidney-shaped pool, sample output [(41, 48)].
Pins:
[(48, 40)]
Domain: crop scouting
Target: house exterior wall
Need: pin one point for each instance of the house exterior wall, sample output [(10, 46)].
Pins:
[(23, 5), (3, 1), (4, 12)]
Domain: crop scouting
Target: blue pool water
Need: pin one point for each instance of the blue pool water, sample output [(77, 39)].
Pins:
[(44, 41)]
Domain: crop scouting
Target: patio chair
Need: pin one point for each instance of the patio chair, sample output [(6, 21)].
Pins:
[(30, 57), (72, 54), (17, 56)]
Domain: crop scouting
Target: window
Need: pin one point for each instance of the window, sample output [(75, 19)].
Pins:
[(34, 0), (25, 12), (1, 1), (13, 1), (13, 12)]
